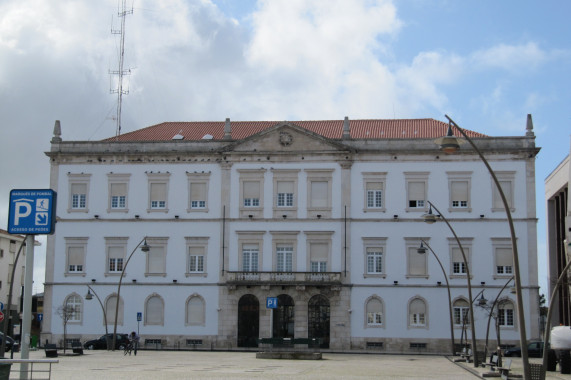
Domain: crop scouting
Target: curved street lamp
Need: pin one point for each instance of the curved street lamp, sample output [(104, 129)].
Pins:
[(430, 218), (88, 297), (450, 144), (421, 250), (145, 248)]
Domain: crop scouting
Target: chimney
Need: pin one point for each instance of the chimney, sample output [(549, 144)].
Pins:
[(346, 129), (227, 130), (57, 133), (529, 126)]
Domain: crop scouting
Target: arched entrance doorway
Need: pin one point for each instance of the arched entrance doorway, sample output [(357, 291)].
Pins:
[(284, 317), (248, 321), (318, 319)]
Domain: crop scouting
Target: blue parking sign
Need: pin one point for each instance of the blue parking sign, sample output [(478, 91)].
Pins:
[(32, 212), (271, 302)]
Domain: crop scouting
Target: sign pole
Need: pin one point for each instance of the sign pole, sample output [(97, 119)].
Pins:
[(27, 309)]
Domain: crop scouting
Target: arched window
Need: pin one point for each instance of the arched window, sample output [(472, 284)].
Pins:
[(375, 314), (461, 315), (195, 313), (110, 305), (154, 310), (73, 308), (506, 313), (417, 313)]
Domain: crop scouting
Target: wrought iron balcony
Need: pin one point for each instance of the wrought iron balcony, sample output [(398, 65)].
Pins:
[(283, 278)]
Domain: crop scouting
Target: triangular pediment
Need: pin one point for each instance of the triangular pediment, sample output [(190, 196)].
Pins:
[(287, 137)]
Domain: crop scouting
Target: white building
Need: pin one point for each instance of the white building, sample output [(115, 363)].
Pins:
[(558, 238), (324, 215), (9, 246)]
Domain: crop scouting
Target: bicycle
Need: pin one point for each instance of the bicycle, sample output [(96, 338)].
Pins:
[(128, 348)]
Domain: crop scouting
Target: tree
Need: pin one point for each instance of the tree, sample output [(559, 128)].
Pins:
[(66, 313)]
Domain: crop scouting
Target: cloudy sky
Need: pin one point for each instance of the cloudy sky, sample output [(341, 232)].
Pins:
[(486, 63)]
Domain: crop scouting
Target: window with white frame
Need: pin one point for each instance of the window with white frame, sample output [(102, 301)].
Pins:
[(416, 190), (503, 257), (78, 192), (116, 249), (73, 308), (75, 258), (250, 256), (374, 250), (374, 191), (196, 260), (251, 191), (198, 191), (284, 258), (461, 313), (250, 243), (374, 312), (154, 310), (285, 191), (118, 191), (506, 313), (158, 191), (110, 308), (156, 257), (319, 192), (285, 194), (417, 313), (457, 264), (506, 180), (319, 251), (195, 311), (459, 184)]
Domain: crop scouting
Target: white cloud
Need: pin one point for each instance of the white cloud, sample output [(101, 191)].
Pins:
[(511, 57)]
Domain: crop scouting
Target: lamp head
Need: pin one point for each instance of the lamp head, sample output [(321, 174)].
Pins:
[(88, 296), (449, 143), (421, 250), (145, 247), (482, 301), (429, 217)]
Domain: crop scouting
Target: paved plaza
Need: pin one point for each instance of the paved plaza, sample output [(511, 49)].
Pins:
[(106, 365)]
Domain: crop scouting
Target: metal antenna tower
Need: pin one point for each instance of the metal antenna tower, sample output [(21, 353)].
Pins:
[(121, 72)]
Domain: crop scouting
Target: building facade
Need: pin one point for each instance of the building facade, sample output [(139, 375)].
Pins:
[(558, 220), (9, 247), (324, 216)]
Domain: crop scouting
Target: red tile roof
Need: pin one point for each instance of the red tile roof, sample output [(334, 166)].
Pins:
[(359, 129)]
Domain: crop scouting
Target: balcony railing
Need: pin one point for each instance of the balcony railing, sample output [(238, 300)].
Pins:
[(283, 278)]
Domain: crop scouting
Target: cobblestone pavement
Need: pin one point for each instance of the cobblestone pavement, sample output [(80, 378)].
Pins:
[(107, 365)]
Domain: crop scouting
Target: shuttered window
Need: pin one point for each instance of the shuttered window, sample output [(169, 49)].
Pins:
[(508, 191), (111, 304), (374, 312), (195, 311), (75, 259), (416, 262), (285, 194), (158, 195), (319, 254), (504, 261), (416, 194), (417, 312), (458, 266), (118, 195), (116, 255), (459, 194), (197, 195), (156, 260), (319, 194), (154, 311), (78, 195), (251, 193)]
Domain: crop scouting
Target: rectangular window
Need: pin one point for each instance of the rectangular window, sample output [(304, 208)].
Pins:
[(374, 318), (198, 195), (374, 185), (250, 253), (118, 195), (156, 259), (459, 194), (319, 253), (251, 194), (12, 246), (506, 317), (504, 261), (506, 180), (417, 319), (374, 260), (416, 262), (416, 194), (75, 259), (284, 258), (458, 265), (158, 195), (78, 195), (319, 194), (374, 198), (196, 260), (285, 193), (116, 255)]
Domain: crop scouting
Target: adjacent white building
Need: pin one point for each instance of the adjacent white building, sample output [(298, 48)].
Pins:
[(558, 238), (9, 247), (326, 216)]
